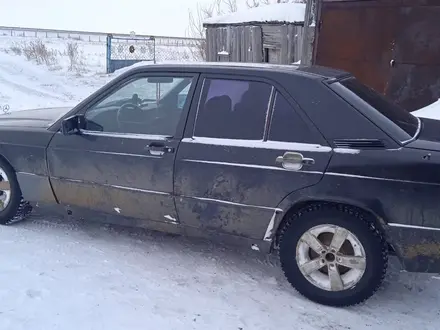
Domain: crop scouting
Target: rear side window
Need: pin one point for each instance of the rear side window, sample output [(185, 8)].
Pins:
[(399, 116), (286, 125), (233, 109)]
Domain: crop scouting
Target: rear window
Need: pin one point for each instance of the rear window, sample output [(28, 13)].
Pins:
[(399, 116)]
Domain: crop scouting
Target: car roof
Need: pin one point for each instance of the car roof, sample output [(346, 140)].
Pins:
[(312, 71)]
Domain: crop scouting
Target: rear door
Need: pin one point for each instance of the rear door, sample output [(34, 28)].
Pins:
[(230, 174)]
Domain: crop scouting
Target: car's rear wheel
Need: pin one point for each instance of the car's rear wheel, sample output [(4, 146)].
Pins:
[(333, 255), (11, 205)]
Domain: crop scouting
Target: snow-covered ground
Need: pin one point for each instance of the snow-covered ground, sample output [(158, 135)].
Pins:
[(77, 275), (23, 84), (61, 274), (430, 111)]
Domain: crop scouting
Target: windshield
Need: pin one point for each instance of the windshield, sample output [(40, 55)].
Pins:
[(399, 116)]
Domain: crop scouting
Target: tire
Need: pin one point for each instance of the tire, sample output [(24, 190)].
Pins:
[(360, 276), (11, 211)]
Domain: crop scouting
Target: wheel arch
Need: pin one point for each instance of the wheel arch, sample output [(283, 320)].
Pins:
[(378, 219), (6, 161)]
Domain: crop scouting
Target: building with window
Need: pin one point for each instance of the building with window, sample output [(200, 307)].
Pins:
[(268, 34)]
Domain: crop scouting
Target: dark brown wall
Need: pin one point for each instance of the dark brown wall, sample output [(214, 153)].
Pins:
[(390, 45)]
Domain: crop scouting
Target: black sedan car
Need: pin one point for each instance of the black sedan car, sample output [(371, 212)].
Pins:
[(303, 160)]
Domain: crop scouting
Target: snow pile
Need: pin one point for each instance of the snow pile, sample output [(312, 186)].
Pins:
[(276, 13), (430, 111), (24, 85)]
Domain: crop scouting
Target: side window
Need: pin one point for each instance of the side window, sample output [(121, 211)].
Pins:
[(233, 109), (147, 105), (286, 125), (181, 97)]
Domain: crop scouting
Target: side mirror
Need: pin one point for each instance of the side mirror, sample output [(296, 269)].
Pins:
[(73, 125)]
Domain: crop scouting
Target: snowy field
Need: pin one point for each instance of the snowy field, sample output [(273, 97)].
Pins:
[(23, 84), (60, 274)]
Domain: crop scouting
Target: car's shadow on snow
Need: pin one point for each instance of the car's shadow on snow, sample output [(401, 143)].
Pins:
[(402, 295)]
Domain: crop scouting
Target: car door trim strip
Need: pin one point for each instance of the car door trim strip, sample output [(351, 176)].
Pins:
[(232, 203), (125, 135), (378, 178), (294, 146), (112, 186), (400, 225), (265, 167)]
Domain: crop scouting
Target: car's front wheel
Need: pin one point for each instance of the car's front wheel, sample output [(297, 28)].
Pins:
[(333, 254), (12, 208)]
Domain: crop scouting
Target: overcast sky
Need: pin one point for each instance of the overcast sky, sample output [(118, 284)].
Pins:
[(164, 17)]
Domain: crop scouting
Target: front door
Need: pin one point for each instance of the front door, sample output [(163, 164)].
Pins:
[(227, 177), (122, 163)]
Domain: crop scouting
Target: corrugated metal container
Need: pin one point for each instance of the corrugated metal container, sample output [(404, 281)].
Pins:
[(391, 45)]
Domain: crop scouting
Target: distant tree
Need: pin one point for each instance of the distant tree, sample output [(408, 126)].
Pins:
[(196, 18), (258, 3)]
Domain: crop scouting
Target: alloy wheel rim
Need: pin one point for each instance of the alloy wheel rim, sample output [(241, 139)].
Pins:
[(331, 257), (5, 190)]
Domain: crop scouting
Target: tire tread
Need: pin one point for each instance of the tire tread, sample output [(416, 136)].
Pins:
[(355, 212)]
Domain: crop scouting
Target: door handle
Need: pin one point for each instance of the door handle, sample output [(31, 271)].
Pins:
[(294, 161), (158, 149)]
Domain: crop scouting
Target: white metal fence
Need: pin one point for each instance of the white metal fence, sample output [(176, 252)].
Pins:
[(90, 36)]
